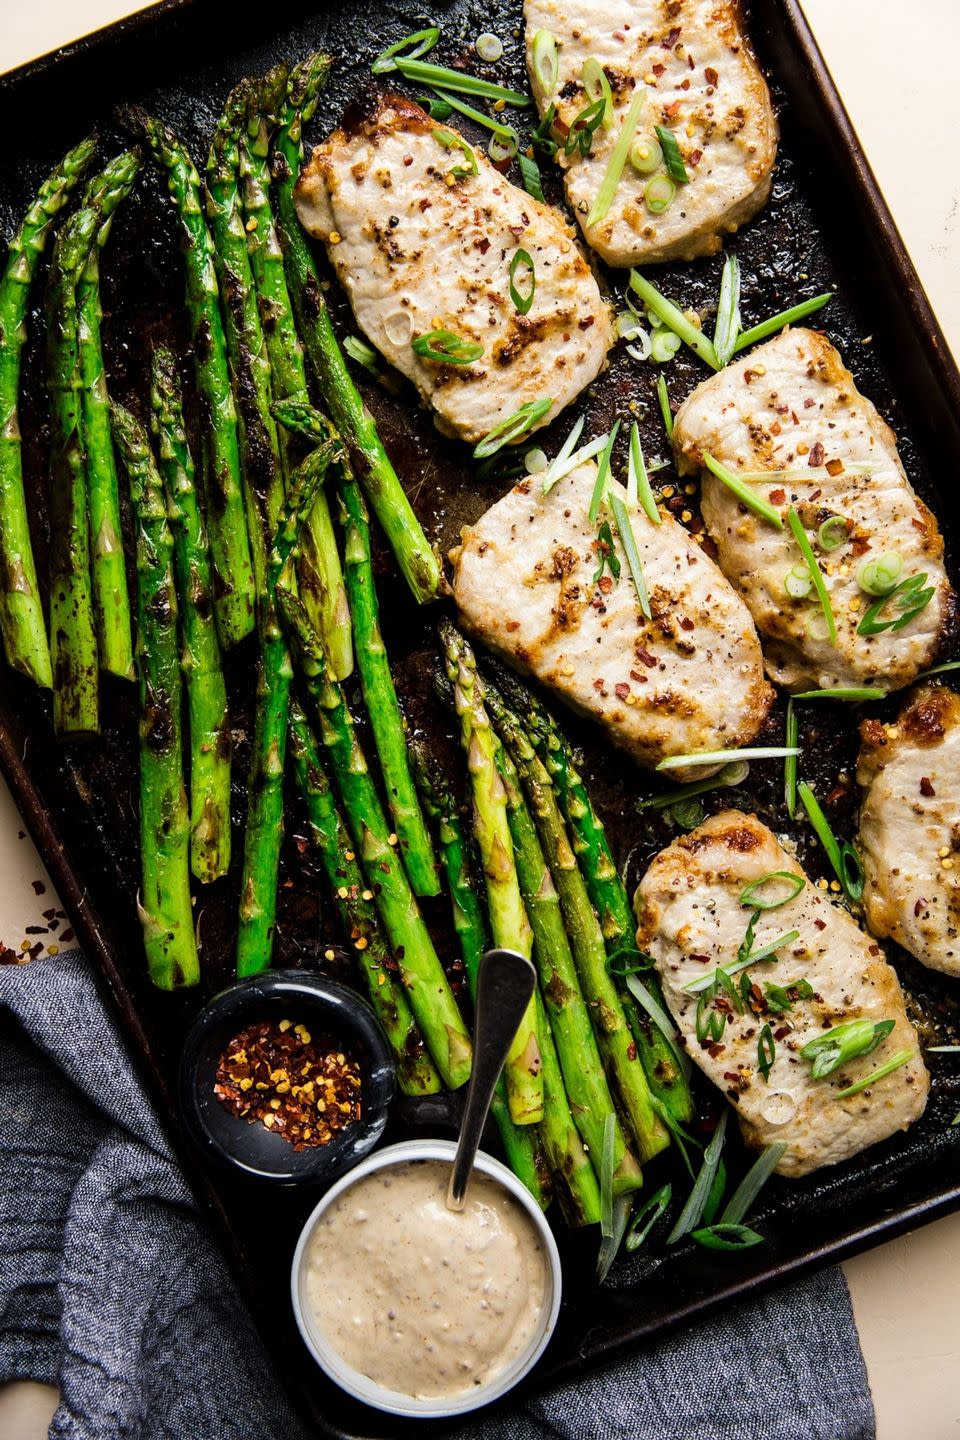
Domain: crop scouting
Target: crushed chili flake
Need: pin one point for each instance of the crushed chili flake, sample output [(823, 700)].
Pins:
[(816, 455), (926, 788), (277, 1074)]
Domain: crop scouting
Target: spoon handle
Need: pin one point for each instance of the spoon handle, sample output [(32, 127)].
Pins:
[(505, 983)]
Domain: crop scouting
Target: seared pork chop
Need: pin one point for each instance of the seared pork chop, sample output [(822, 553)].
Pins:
[(791, 409), (688, 680), (701, 82), (692, 919), (910, 826), (421, 244)]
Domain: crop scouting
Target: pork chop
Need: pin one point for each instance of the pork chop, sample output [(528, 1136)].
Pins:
[(910, 826), (692, 919), (421, 244), (701, 82), (790, 407), (527, 582)]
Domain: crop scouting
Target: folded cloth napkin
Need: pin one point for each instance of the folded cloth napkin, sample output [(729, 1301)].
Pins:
[(111, 1288)]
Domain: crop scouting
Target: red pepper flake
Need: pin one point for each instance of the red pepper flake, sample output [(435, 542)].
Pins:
[(816, 455), (512, 625), (671, 38), (585, 324), (622, 690), (658, 69), (926, 789), (483, 245), (711, 76), (695, 157), (671, 111), (598, 683), (782, 1032), (820, 924), (8, 956), (605, 583), (835, 467), (873, 950), (67, 935), (920, 906), (777, 497), (686, 623), (408, 159), (809, 403), (716, 1050), (646, 658), (274, 1072), (632, 1050), (38, 887)]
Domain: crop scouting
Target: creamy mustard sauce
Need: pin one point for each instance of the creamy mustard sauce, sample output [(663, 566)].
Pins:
[(424, 1300)]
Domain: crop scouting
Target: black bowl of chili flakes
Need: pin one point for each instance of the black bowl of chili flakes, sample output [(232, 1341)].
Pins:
[(288, 1077)]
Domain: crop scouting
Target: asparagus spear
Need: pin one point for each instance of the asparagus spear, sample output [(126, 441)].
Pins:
[(508, 918), (358, 916), (379, 692), (202, 666), (319, 575), (575, 1181), (610, 900), (264, 831), (246, 346), (21, 614), (520, 1142), (233, 595), (367, 455), (165, 911), (73, 639), (579, 1057), (111, 601), (586, 938), (431, 998)]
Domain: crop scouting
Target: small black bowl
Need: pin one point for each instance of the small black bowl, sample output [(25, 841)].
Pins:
[(326, 1008)]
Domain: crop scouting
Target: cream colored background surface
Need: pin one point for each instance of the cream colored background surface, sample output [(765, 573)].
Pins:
[(908, 117)]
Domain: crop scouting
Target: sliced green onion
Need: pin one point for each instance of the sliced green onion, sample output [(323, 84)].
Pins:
[(797, 582), (766, 1052), (530, 175), (659, 193), (902, 1057), (535, 461), (664, 399), (618, 159), (833, 533), (943, 1049), (489, 47), (421, 40), (645, 155), (770, 948), (512, 428), (687, 814), (504, 132), (660, 1018), (733, 774), (546, 62), (717, 1190), (845, 1042), (664, 344), (727, 328), (606, 1175), (522, 302), (866, 692), (610, 1245), (450, 140), (779, 997), (436, 108), (939, 669), (362, 353), (744, 494), (596, 86), (816, 575), (792, 736), (674, 318), (671, 155), (638, 481), (444, 347), (720, 757), (880, 575), (654, 1208), (629, 961), (583, 127), (629, 542), (727, 1237), (603, 475), (692, 1211), (785, 317), (754, 899), (503, 147), (846, 863), (563, 466), (542, 136), (607, 553), (909, 598), (709, 1023), (703, 982), (457, 80)]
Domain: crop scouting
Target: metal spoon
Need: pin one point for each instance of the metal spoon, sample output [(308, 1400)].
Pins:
[(505, 983)]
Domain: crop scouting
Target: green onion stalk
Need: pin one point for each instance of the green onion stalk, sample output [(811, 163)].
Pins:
[(508, 917), (617, 1046), (210, 741), (379, 691), (431, 998), (521, 1143), (368, 457), (319, 575), (21, 614), (234, 592), (416, 1073), (109, 573), (165, 910)]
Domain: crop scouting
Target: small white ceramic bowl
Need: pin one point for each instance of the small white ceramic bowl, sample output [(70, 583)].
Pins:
[(361, 1386)]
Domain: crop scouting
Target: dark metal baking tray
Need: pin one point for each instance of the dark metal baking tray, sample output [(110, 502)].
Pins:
[(826, 223)]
